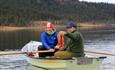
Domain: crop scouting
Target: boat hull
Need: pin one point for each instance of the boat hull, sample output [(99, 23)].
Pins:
[(61, 64)]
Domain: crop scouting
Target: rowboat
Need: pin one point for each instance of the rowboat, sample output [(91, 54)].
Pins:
[(67, 64), (64, 64)]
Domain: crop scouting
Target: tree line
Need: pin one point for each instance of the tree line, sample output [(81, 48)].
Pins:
[(22, 12)]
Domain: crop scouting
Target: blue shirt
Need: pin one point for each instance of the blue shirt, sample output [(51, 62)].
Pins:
[(49, 41)]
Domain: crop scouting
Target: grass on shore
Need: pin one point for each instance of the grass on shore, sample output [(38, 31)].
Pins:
[(10, 28), (82, 26)]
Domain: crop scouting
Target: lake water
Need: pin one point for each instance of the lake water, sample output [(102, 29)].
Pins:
[(98, 39)]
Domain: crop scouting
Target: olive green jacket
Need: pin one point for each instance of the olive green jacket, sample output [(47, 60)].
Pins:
[(75, 44)]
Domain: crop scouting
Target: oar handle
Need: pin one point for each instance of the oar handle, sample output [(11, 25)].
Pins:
[(11, 52), (41, 51), (19, 52), (105, 53)]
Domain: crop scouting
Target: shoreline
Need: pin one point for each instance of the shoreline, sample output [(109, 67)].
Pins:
[(81, 25), (16, 28), (93, 26)]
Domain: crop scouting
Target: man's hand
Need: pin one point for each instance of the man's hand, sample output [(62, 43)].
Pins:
[(62, 33), (62, 48), (56, 47), (51, 50)]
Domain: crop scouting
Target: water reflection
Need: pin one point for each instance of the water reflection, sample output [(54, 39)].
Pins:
[(17, 39), (100, 39)]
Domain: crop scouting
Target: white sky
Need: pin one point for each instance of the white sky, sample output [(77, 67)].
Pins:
[(106, 1)]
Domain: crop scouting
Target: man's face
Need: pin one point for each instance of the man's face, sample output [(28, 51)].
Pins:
[(48, 29), (70, 29)]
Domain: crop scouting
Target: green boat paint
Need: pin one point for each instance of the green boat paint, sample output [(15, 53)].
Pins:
[(61, 64)]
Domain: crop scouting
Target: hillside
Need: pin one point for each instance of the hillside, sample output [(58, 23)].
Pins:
[(20, 12)]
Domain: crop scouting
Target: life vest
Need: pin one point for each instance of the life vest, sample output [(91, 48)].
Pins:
[(60, 40)]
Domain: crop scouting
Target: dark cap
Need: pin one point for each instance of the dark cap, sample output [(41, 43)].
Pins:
[(71, 24)]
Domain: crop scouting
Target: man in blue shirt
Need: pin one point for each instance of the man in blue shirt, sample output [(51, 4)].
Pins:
[(49, 40)]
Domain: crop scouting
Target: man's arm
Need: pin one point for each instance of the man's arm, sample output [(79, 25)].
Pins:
[(70, 35), (43, 40)]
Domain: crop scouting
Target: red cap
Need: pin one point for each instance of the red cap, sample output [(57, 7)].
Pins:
[(50, 25)]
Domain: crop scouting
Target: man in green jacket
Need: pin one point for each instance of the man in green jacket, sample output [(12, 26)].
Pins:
[(74, 46)]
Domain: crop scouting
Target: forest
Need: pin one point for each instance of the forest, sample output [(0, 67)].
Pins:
[(23, 12)]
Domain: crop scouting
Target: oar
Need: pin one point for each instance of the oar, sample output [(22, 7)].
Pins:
[(41, 51), (96, 52), (19, 52)]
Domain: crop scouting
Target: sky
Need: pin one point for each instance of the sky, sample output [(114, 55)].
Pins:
[(105, 1)]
